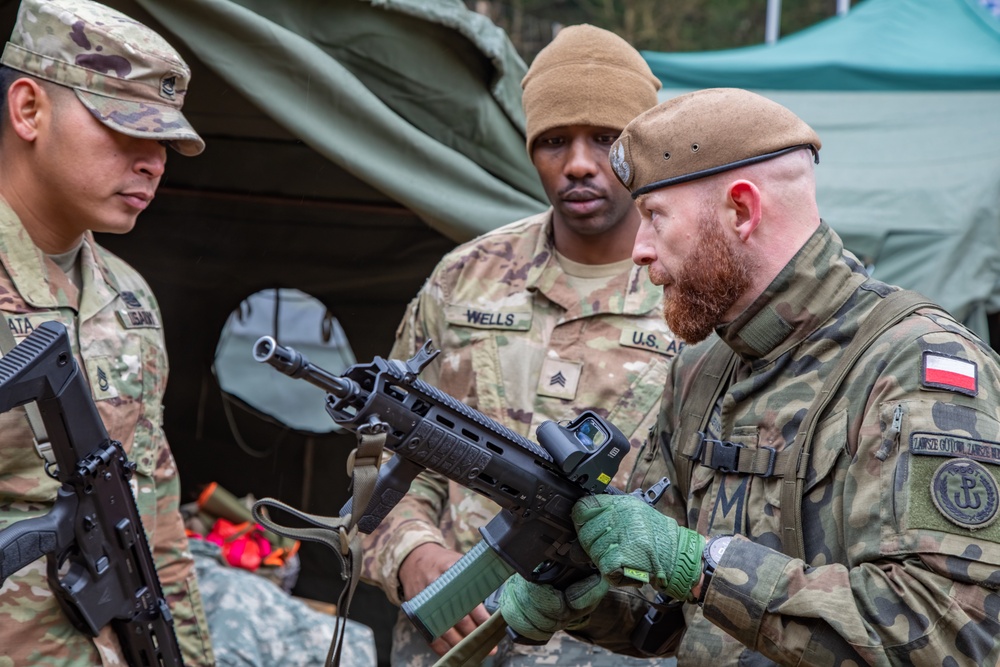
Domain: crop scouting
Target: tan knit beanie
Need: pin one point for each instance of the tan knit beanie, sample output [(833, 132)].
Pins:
[(586, 76)]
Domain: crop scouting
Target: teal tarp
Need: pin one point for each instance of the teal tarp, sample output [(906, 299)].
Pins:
[(905, 95), (879, 45)]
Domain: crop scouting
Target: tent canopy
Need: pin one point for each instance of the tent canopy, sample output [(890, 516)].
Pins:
[(904, 95), (880, 45)]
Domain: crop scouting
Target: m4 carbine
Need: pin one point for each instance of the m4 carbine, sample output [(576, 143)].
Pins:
[(535, 486), (99, 565)]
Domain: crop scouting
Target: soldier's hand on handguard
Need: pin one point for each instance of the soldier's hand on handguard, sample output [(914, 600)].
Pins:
[(537, 611), (632, 544), (422, 567)]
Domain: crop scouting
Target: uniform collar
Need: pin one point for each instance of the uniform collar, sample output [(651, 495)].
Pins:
[(40, 282), (634, 294), (804, 295)]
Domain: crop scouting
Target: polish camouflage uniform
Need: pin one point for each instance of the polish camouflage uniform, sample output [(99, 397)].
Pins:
[(114, 325), (901, 488), (254, 622), (520, 345)]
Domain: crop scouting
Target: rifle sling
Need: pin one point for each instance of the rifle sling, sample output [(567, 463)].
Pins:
[(42, 444), (475, 646), (338, 533)]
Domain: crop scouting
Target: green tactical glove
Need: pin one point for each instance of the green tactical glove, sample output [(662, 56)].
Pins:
[(537, 611), (632, 544)]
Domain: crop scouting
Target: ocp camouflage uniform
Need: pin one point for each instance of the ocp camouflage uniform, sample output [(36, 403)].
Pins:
[(522, 345), (114, 327), (901, 489), (254, 622)]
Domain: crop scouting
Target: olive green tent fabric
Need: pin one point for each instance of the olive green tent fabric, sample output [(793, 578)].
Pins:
[(392, 93), (911, 181), (905, 96)]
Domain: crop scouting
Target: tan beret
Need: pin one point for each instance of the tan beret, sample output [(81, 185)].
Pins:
[(703, 133), (586, 76)]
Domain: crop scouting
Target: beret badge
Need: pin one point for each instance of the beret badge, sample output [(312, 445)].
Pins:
[(619, 161)]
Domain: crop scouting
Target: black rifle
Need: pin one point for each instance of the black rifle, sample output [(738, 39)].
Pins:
[(535, 487), (99, 564)]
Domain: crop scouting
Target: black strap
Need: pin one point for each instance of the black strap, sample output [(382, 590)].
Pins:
[(696, 411)]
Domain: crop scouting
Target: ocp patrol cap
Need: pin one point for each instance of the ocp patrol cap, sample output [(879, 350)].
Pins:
[(126, 74), (704, 133)]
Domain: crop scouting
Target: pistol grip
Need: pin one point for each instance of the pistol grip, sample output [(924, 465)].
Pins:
[(28, 540), (391, 485)]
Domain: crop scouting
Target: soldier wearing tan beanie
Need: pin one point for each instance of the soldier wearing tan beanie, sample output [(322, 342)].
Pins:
[(537, 320), (586, 76)]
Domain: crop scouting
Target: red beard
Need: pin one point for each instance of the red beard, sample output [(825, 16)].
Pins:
[(712, 279)]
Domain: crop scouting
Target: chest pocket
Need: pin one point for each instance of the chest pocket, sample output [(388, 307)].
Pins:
[(749, 503), (126, 383)]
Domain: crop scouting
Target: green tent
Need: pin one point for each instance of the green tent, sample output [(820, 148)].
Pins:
[(350, 145), (904, 95)]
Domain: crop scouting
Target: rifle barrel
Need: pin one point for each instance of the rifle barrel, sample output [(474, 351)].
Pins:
[(293, 364)]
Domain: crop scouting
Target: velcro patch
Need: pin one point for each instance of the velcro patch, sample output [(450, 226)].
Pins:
[(99, 369), (965, 493), (945, 444), (559, 378), (500, 318), (654, 341), (23, 324), (138, 319), (941, 371)]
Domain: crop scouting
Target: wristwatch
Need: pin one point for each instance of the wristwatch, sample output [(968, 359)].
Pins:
[(714, 549)]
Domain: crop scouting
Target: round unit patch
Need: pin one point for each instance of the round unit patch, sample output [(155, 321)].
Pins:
[(966, 493)]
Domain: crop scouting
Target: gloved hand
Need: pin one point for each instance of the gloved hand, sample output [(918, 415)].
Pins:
[(537, 611), (631, 544)]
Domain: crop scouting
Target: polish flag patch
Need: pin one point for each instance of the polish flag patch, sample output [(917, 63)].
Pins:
[(944, 372)]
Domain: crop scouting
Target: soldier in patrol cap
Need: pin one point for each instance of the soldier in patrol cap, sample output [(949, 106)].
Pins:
[(91, 103), (537, 320), (834, 504)]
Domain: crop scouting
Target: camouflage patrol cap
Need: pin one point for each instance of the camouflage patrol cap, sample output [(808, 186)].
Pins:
[(703, 133), (128, 76)]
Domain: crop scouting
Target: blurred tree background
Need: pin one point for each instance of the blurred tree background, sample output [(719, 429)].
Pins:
[(654, 25)]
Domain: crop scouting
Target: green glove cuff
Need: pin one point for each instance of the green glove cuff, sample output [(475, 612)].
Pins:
[(687, 564)]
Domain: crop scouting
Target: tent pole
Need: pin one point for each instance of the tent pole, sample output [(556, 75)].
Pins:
[(843, 6), (772, 24)]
